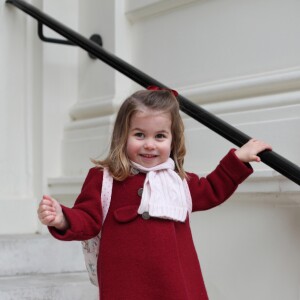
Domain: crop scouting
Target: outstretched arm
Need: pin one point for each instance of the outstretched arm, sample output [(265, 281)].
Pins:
[(248, 152), (50, 214), (222, 182), (81, 222)]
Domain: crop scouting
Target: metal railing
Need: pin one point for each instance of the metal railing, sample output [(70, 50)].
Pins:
[(232, 134)]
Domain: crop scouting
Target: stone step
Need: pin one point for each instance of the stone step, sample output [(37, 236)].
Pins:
[(68, 286), (38, 253)]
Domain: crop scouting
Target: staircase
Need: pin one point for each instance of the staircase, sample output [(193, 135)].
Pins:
[(34, 267)]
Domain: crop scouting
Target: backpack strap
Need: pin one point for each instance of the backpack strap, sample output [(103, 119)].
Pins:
[(106, 192), (91, 247)]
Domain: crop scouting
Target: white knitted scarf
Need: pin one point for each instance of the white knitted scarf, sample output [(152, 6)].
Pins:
[(165, 194)]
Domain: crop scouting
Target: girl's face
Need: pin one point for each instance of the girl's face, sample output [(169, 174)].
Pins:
[(149, 138)]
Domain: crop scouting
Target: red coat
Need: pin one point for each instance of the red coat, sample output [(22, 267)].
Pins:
[(148, 259)]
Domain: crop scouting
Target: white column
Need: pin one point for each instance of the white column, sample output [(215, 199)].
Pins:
[(20, 121)]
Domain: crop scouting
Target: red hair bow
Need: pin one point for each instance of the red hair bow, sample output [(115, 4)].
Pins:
[(157, 88)]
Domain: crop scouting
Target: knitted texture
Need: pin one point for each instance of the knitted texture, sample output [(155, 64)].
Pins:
[(165, 194)]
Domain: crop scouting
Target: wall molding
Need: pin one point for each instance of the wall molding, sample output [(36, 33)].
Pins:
[(138, 10), (272, 89), (261, 102), (91, 108), (89, 123)]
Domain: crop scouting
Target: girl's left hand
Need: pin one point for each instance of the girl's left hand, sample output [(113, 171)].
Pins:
[(249, 151)]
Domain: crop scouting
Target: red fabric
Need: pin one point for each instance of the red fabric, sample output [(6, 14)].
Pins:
[(148, 259), (157, 88)]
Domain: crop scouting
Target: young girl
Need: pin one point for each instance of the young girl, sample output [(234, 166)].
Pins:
[(147, 251)]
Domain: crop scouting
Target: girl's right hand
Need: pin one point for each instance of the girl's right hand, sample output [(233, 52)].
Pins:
[(50, 213)]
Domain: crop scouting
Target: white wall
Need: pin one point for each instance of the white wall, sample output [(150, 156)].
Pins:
[(249, 250), (217, 40)]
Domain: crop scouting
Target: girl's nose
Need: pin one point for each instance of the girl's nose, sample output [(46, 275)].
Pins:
[(149, 145)]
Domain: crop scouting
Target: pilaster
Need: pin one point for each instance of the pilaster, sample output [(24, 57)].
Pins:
[(20, 128)]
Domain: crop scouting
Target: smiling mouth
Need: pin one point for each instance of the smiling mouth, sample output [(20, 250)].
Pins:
[(148, 155)]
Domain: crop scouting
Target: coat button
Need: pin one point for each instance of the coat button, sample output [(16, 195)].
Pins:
[(145, 215), (140, 192)]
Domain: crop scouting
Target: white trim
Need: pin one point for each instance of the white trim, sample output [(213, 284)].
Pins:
[(138, 10), (278, 88), (269, 181), (89, 123), (262, 102), (65, 185), (91, 108)]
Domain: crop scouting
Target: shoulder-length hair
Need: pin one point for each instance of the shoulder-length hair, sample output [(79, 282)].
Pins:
[(117, 160)]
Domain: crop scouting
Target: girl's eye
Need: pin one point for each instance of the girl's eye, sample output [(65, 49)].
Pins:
[(139, 134), (160, 136)]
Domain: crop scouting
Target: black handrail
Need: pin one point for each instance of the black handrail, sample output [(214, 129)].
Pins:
[(232, 134)]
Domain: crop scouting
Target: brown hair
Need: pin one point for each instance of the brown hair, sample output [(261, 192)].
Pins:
[(163, 100)]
